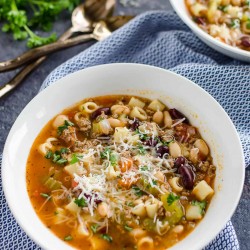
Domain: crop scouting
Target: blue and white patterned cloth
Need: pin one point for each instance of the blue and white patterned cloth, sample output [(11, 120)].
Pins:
[(160, 39)]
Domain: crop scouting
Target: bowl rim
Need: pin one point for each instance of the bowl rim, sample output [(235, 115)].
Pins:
[(185, 17), (4, 170)]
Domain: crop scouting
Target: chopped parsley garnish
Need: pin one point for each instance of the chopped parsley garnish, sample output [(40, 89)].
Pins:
[(127, 228), (166, 143), (57, 158), (105, 153), (67, 124), (223, 8), (44, 195), (235, 23), (154, 182), (80, 202), (172, 198), (141, 149), (94, 227), (201, 204), (56, 213), (142, 136), (68, 238), (75, 158), (144, 168), (48, 154), (107, 237), (64, 150), (138, 191), (130, 204), (108, 154), (248, 25)]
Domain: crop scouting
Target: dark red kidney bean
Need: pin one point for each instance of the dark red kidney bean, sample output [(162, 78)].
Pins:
[(176, 114), (135, 124), (187, 175), (200, 20), (151, 142), (245, 41), (99, 111), (179, 161), (161, 150), (97, 201)]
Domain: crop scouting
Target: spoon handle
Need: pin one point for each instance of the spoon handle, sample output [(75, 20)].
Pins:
[(17, 79), (42, 51)]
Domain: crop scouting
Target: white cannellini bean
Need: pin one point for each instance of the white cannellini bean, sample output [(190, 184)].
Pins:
[(115, 122), (174, 149), (120, 109), (158, 117), (102, 209), (202, 146), (59, 120), (178, 229), (167, 120)]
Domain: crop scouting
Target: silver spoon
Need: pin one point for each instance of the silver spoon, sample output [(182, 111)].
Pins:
[(81, 22)]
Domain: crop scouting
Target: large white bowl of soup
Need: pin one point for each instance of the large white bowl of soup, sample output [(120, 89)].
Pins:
[(222, 24), (123, 156)]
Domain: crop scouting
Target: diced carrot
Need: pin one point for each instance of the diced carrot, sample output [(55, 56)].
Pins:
[(36, 193), (126, 165), (127, 183), (74, 184)]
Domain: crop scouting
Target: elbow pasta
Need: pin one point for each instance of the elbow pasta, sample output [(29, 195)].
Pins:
[(138, 113), (156, 105), (145, 243), (134, 102), (88, 107), (43, 148)]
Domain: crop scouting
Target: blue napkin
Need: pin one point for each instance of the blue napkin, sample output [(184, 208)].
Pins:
[(160, 39)]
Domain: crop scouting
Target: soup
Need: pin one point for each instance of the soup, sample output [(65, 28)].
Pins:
[(120, 172), (226, 20)]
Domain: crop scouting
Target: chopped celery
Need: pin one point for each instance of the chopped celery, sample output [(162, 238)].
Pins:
[(51, 183), (175, 209), (149, 224)]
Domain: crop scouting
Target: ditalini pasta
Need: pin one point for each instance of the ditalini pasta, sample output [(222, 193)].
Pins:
[(226, 20), (120, 172)]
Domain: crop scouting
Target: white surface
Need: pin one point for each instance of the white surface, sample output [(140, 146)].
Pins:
[(133, 79), (234, 52)]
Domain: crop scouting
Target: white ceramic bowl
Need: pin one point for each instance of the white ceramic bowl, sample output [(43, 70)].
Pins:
[(234, 52), (133, 79)]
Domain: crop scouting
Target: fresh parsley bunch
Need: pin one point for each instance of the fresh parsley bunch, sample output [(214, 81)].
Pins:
[(41, 15)]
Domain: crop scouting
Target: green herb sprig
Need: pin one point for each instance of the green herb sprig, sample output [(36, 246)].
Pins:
[(42, 14), (172, 198)]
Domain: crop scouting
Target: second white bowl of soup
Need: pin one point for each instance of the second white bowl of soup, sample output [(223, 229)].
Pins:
[(222, 25), (122, 159)]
